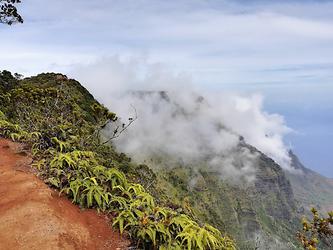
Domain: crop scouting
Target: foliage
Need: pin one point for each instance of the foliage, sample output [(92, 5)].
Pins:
[(318, 229), (8, 12), (15, 132), (71, 155), (78, 174)]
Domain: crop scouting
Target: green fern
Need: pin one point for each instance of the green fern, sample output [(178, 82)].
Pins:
[(62, 146)]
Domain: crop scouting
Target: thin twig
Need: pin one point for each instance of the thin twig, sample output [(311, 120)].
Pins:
[(116, 134)]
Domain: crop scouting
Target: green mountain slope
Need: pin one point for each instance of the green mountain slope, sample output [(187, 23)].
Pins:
[(63, 123), (261, 214)]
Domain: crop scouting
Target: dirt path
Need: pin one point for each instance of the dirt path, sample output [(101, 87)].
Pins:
[(34, 217)]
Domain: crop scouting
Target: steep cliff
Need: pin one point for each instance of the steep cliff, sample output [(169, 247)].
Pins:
[(260, 214), (310, 188), (244, 193)]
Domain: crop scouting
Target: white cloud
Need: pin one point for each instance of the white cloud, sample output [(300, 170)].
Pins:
[(215, 41), (181, 123)]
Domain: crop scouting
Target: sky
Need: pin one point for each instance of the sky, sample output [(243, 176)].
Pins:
[(280, 49)]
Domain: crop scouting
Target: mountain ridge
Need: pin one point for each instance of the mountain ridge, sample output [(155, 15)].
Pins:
[(261, 213)]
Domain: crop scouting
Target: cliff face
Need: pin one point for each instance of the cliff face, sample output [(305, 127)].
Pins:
[(271, 180), (259, 214), (310, 188)]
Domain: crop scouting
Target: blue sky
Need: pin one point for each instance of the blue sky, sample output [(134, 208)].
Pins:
[(283, 49)]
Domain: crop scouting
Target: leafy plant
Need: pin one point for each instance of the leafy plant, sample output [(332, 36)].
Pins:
[(316, 230)]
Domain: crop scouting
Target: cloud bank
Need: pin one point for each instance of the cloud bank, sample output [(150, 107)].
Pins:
[(217, 41), (177, 119)]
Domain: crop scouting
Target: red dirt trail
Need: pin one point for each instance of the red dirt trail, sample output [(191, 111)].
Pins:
[(34, 217)]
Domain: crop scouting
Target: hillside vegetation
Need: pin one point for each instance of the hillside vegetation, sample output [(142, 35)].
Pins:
[(62, 123), (164, 203)]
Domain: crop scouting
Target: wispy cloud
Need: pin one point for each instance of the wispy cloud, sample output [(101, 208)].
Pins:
[(200, 128), (225, 38)]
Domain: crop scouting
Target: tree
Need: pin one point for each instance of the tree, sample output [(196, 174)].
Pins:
[(8, 12), (7, 81)]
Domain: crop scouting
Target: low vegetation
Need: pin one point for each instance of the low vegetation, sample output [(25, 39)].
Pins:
[(63, 124)]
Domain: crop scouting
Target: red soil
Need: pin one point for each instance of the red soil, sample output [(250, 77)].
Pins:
[(34, 217)]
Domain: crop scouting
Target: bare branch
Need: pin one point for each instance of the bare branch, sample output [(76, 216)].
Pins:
[(123, 127)]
